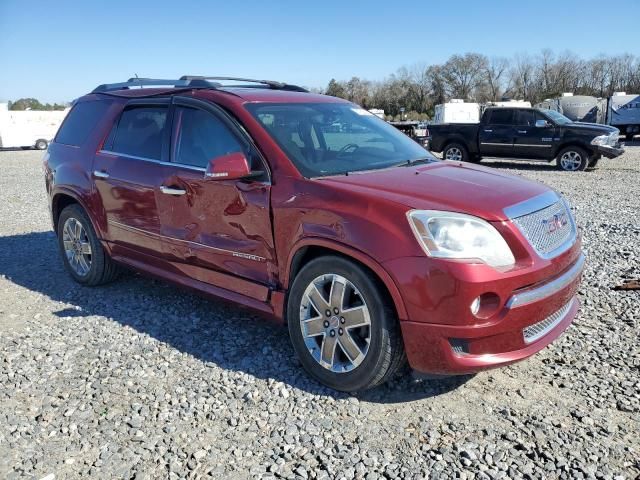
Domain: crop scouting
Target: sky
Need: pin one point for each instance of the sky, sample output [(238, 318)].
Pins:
[(58, 50)]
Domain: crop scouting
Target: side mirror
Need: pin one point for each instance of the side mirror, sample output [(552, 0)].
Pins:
[(232, 166), (542, 123)]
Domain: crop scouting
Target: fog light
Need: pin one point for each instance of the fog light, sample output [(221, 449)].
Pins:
[(485, 305), (475, 306)]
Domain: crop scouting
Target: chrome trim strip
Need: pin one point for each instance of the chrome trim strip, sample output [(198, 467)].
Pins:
[(551, 326), (531, 205), (529, 145), (533, 295), (233, 253), (145, 159), (497, 144)]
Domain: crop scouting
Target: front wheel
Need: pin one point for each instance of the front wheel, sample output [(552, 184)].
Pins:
[(343, 329), (573, 159)]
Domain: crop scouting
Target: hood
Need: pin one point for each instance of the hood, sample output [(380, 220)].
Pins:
[(595, 128), (451, 186)]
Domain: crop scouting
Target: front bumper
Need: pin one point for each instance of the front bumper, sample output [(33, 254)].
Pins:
[(611, 152), (528, 319)]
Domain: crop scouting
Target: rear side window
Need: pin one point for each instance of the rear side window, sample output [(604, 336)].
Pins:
[(501, 117), (139, 132), (80, 121), (201, 137)]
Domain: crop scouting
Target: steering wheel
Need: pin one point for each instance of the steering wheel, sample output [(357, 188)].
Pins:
[(348, 148)]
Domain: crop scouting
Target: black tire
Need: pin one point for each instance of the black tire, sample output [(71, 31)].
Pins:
[(629, 137), (578, 158), (385, 353), (102, 269), (41, 144), (456, 151)]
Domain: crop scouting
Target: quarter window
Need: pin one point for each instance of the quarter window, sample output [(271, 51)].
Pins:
[(139, 132), (201, 137), (80, 121)]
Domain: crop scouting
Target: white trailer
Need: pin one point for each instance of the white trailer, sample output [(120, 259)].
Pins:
[(457, 111), (28, 128), (579, 108), (623, 112)]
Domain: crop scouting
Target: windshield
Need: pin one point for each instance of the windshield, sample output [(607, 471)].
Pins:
[(335, 138), (556, 117)]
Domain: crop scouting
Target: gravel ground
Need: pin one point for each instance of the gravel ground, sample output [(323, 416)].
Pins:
[(141, 380)]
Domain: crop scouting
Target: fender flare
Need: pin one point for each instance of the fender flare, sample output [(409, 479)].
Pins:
[(358, 255), (59, 190)]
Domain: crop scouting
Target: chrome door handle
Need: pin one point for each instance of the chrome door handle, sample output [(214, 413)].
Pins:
[(522, 131), (100, 174), (488, 131), (172, 191)]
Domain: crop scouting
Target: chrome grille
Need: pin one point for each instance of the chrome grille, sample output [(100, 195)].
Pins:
[(538, 330), (547, 229)]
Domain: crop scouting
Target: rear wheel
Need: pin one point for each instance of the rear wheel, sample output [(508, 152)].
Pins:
[(344, 332), (82, 252), (455, 152), (572, 159), (42, 144)]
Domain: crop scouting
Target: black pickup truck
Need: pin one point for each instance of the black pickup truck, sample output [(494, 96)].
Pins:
[(527, 133)]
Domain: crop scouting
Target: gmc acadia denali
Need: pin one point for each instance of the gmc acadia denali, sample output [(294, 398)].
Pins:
[(373, 252)]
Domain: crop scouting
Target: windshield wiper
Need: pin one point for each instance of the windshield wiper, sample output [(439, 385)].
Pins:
[(409, 163)]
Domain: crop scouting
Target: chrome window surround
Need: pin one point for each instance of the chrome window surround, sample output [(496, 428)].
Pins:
[(536, 204), (146, 159), (526, 297)]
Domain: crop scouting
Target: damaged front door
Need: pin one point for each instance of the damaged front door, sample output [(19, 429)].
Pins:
[(215, 230)]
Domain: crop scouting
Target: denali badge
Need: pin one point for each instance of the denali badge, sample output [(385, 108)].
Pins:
[(556, 222)]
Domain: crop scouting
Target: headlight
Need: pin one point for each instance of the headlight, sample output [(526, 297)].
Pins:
[(600, 140), (459, 236)]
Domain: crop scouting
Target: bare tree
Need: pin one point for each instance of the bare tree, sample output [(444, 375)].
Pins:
[(463, 74), (494, 75)]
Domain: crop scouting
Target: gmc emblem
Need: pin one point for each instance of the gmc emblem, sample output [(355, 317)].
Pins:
[(556, 222)]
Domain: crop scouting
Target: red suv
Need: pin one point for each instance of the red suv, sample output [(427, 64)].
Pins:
[(313, 210)]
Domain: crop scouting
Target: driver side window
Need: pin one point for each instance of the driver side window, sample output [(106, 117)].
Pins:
[(200, 137)]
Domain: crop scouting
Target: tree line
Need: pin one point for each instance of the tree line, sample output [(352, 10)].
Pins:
[(34, 104), (475, 77)]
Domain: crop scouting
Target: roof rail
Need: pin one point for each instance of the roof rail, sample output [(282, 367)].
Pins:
[(146, 82), (196, 79)]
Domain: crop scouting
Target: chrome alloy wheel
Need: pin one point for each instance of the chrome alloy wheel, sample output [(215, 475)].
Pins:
[(571, 160), (76, 246), (454, 154), (335, 321)]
